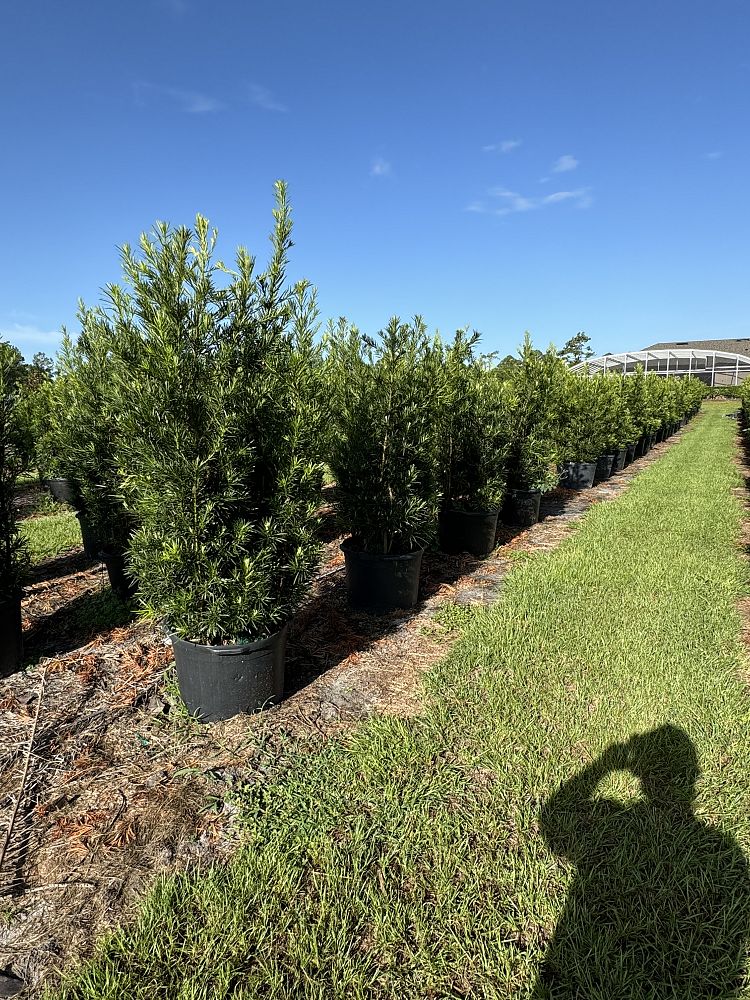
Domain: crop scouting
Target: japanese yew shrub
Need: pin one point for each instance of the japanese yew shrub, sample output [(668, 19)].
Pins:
[(13, 554), (582, 429), (218, 431), (536, 388), (85, 425), (474, 428), (384, 442)]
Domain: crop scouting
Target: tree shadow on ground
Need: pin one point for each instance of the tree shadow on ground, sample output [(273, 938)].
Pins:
[(67, 563), (75, 624), (660, 904)]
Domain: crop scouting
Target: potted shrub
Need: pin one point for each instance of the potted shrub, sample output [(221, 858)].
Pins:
[(474, 440), (582, 435), (217, 442), (616, 424), (535, 387), (87, 434), (13, 555), (384, 457)]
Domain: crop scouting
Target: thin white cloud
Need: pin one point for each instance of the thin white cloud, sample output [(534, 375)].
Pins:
[(178, 7), (715, 154), (502, 201), (380, 168), (564, 164), (188, 101), (29, 338), (506, 146), (262, 98)]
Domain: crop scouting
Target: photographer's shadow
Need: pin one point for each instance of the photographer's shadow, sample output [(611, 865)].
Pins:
[(660, 904)]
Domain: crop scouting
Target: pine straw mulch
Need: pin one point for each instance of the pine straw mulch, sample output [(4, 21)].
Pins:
[(123, 786)]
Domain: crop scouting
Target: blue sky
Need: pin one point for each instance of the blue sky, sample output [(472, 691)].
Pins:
[(537, 165)]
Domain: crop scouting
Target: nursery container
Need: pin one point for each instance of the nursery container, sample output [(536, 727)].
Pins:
[(468, 531), (630, 453), (604, 465), (91, 544), (577, 475), (521, 508), (641, 446), (64, 490), (217, 682), (123, 586), (619, 463), (11, 636), (379, 582)]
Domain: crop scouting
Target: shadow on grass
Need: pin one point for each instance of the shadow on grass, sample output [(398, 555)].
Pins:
[(660, 905), (74, 561), (75, 624)]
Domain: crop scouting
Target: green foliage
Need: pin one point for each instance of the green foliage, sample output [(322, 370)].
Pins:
[(535, 397), (218, 431), (86, 426), (30, 384), (13, 553), (615, 423), (384, 447), (474, 425), (577, 349), (582, 434)]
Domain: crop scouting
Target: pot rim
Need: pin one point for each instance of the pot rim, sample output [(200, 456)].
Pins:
[(489, 512), (348, 546), (234, 649)]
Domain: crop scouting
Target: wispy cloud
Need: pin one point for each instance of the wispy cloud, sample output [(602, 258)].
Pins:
[(564, 164), (29, 338), (188, 101), (506, 146), (178, 7), (502, 201), (715, 154), (262, 98), (380, 168)]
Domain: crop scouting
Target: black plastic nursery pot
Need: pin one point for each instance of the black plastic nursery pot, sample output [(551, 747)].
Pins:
[(218, 682), (619, 463), (604, 466), (641, 446), (64, 490), (521, 508), (380, 583), (11, 636), (468, 531), (122, 585), (577, 475), (92, 547), (630, 453)]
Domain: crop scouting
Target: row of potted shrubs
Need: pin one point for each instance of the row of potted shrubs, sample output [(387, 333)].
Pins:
[(191, 422)]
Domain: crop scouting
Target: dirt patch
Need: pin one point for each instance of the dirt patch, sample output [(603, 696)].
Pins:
[(122, 786)]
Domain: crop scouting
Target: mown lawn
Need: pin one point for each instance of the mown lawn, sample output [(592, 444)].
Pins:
[(534, 833), (47, 535)]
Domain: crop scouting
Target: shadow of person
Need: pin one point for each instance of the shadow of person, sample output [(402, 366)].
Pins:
[(660, 903)]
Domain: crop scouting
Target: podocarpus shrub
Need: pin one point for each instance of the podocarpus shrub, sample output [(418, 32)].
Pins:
[(13, 554), (474, 423), (583, 429), (86, 427), (617, 427), (536, 387), (218, 432), (384, 448)]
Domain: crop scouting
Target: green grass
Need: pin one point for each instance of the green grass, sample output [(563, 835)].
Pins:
[(536, 823), (50, 534)]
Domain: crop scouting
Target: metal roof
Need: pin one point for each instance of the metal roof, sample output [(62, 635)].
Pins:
[(673, 361)]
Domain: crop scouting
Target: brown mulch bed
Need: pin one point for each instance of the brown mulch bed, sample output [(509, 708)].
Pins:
[(122, 786)]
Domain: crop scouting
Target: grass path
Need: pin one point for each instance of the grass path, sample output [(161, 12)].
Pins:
[(534, 833)]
